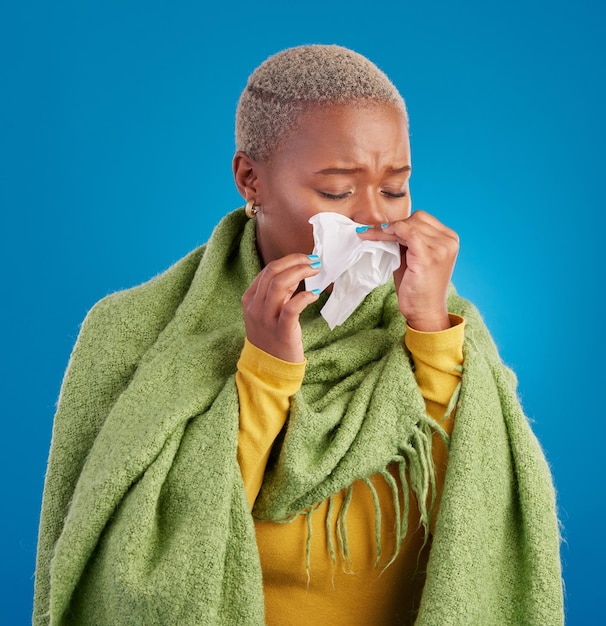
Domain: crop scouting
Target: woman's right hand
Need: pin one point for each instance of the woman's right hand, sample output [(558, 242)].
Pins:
[(272, 306)]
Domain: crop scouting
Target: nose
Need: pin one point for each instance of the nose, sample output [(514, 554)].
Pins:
[(368, 210)]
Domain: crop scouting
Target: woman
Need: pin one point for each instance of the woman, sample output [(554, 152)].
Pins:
[(221, 456)]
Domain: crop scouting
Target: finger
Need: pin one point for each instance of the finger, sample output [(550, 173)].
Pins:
[(426, 224), (278, 281), (267, 274), (420, 221), (417, 236), (281, 280), (281, 264), (289, 316)]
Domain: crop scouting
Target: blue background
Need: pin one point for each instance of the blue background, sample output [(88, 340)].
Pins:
[(116, 138)]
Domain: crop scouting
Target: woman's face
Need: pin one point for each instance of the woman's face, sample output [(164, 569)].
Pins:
[(350, 160)]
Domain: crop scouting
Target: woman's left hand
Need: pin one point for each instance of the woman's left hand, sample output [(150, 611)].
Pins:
[(429, 251)]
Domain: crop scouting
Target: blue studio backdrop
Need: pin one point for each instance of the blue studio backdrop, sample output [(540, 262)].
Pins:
[(116, 138)]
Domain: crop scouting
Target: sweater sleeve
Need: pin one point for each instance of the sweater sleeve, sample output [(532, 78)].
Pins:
[(438, 358), (265, 385)]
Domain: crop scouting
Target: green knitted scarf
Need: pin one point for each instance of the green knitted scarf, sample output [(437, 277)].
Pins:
[(144, 517)]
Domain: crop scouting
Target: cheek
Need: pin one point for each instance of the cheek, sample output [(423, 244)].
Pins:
[(285, 228), (299, 232), (292, 211), (398, 211)]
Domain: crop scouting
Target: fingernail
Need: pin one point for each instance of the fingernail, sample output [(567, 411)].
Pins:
[(362, 229), (316, 264), (316, 292), (313, 256), (385, 225)]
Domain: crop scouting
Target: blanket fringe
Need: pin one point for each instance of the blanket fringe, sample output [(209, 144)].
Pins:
[(415, 474), (378, 520)]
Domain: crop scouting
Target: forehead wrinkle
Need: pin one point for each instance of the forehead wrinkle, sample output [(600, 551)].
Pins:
[(348, 171), (350, 142), (327, 171), (399, 170)]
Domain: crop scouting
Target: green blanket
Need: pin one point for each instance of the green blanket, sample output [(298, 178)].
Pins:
[(144, 517)]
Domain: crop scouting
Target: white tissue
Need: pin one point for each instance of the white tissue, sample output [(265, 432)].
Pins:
[(355, 266)]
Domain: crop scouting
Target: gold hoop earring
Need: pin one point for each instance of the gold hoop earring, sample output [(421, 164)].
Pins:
[(250, 209)]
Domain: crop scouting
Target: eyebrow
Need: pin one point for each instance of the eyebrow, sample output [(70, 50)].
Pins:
[(357, 170)]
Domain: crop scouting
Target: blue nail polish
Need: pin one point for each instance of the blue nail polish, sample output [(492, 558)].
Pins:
[(316, 264), (316, 292), (385, 225), (313, 257), (362, 229)]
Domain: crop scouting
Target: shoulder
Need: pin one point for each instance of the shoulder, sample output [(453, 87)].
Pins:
[(122, 326), (146, 308)]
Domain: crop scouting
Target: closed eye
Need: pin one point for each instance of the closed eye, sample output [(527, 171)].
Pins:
[(334, 196), (392, 194)]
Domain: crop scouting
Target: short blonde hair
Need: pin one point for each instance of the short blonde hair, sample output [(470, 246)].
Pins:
[(292, 81)]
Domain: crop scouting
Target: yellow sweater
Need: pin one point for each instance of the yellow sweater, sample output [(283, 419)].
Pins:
[(353, 592)]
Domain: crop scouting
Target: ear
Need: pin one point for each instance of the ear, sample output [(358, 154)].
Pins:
[(246, 175)]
